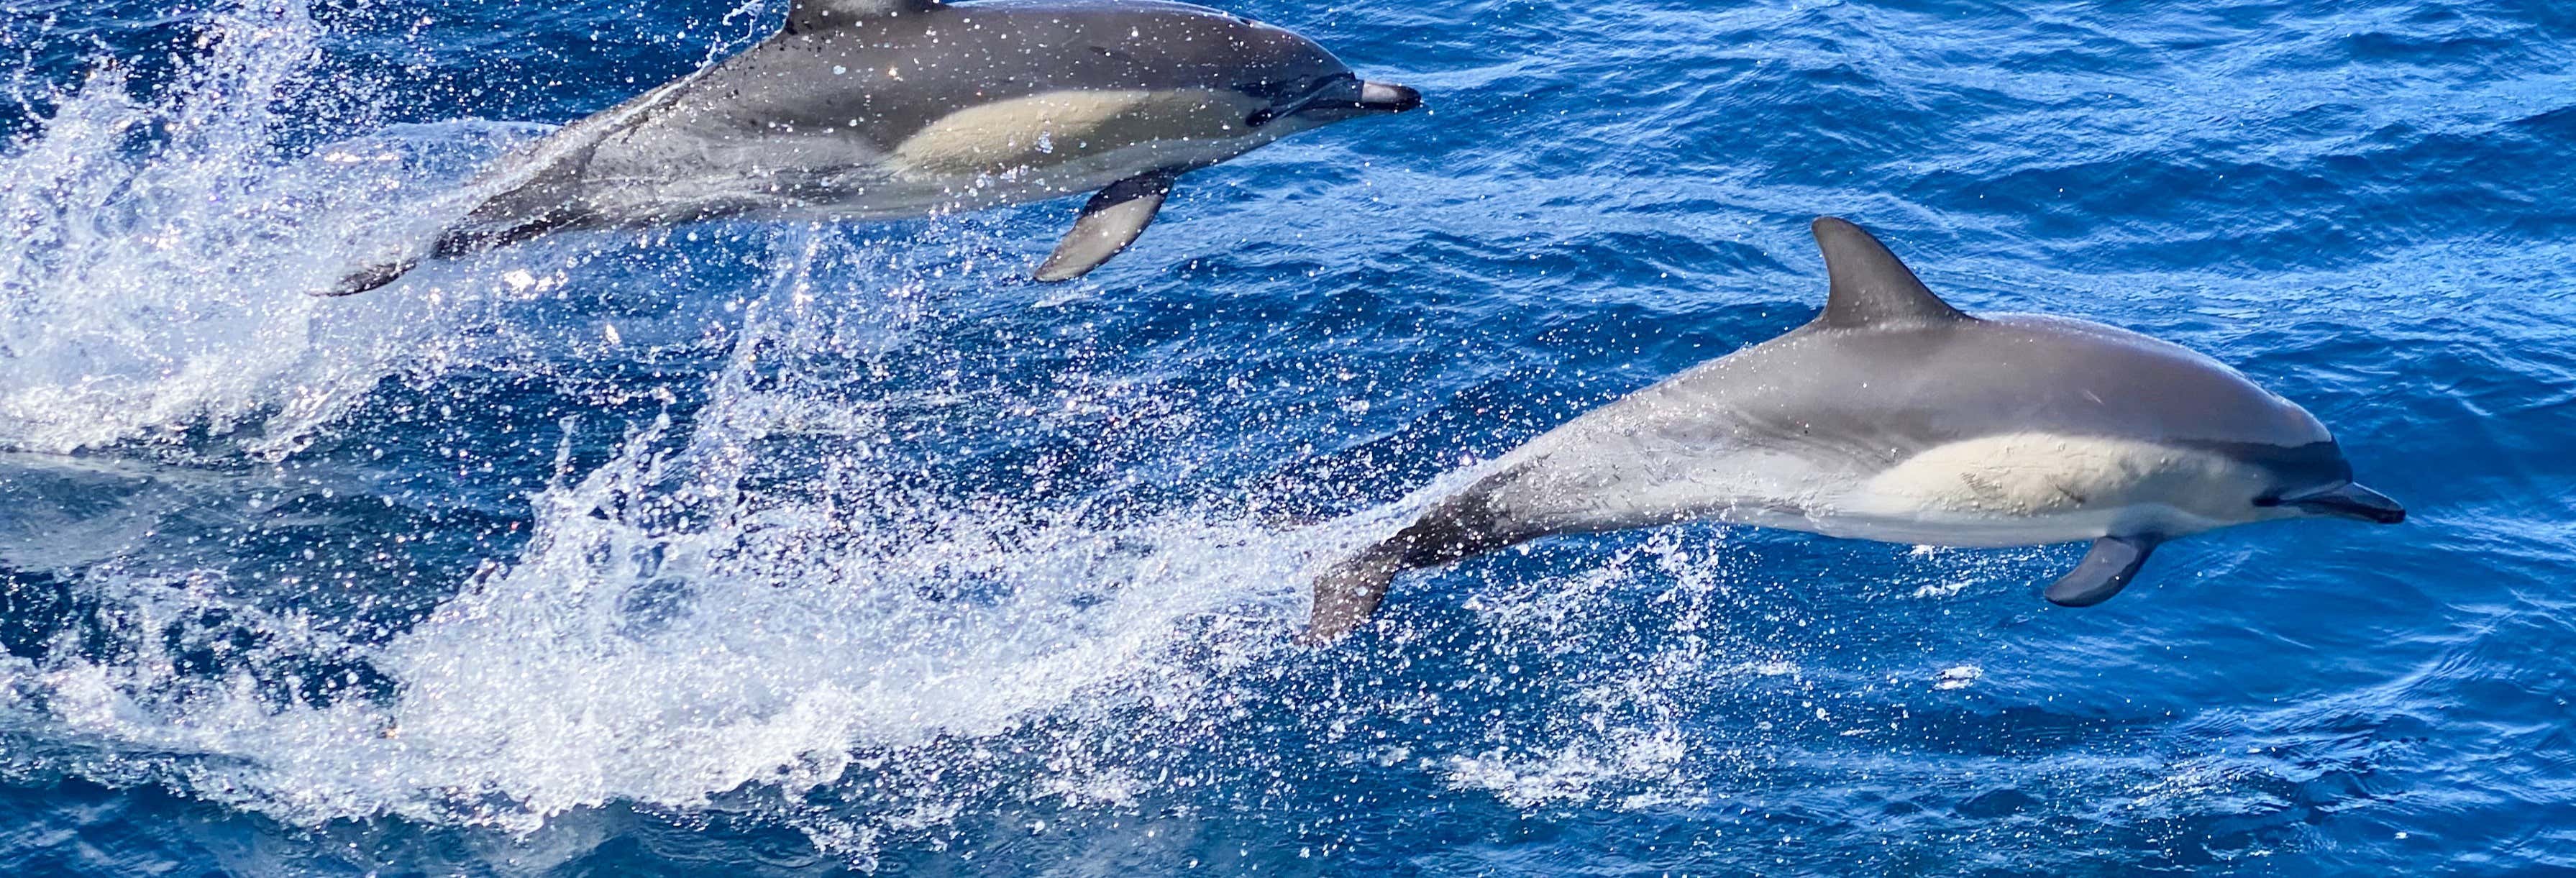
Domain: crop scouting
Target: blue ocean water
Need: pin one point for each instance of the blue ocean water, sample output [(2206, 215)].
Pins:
[(787, 549)]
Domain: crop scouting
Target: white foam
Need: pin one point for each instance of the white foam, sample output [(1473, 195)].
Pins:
[(152, 290), (1627, 768), (671, 634)]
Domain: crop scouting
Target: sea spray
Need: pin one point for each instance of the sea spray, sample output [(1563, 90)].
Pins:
[(684, 625), (154, 252)]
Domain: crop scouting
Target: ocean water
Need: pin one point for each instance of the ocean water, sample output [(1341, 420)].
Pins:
[(795, 549)]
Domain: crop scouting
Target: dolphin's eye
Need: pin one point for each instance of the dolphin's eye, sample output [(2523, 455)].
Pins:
[(1277, 91), (1276, 94), (1291, 96)]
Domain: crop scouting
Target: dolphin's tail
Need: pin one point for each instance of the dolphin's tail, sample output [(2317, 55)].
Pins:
[(370, 277), (1461, 527), (475, 236), (450, 244), (1348, 593)]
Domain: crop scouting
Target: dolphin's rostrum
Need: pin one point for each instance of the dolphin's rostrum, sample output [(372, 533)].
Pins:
[(876, 109), (1894, 416)]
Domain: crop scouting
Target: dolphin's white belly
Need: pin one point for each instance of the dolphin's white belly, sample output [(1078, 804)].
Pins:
[(2006, 490), (1111, 133), (2024, 488)]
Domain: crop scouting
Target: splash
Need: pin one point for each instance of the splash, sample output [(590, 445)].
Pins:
[(686, 621), (758, 634), (154, 251), (684, 626)]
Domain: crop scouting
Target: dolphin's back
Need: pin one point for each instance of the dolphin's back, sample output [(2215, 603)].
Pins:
[(885, 80), (1912, 387), (899, 109), (1783, 433)]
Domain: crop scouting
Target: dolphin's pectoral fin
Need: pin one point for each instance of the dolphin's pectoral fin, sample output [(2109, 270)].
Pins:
[(2103, 572), (1109, 222)]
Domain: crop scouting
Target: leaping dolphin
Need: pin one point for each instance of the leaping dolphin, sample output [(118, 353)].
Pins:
[(1896, 417), (877, 109)]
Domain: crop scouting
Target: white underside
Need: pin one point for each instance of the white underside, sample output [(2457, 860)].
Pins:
[(2017, 489)]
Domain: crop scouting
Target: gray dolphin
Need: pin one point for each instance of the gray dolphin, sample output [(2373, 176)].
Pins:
[(876, 109), (1896, 417)]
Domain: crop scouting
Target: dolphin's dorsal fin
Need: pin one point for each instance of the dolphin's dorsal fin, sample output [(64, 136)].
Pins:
[(1871, 287), (804, 16)]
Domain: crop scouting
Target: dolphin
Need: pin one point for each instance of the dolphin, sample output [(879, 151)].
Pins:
[(1896, 417), (878, 109)]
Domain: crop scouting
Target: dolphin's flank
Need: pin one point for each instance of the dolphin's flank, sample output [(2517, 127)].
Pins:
[(879, 109), (1894, 416)]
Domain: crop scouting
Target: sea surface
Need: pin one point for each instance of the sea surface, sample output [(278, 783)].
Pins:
[(755, 549)]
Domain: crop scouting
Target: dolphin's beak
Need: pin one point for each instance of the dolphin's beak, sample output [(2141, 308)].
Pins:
[(2349, 500), (1386, 97), (1344, 97)]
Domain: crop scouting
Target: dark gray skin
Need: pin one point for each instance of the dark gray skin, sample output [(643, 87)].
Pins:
[(868, 109), (1894, 416)]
